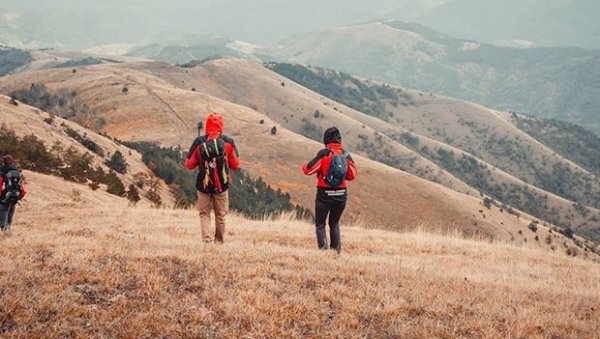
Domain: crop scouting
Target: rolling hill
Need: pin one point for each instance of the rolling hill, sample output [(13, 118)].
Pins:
[(12, 59), (453, 142), (152, 108), (550, 82), (93, 267), (82, 152)]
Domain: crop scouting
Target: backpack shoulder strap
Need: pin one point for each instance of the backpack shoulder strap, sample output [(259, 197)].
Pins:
[(198, 141)]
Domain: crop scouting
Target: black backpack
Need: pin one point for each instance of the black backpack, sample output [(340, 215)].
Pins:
[(11, 187), (213, 175), (338, 168)]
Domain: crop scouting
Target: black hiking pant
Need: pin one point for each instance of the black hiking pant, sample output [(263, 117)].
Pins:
[(6, 216), (334, 210)]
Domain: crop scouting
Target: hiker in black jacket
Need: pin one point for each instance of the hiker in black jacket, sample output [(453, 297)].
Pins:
[(12, 190), (333, 167)]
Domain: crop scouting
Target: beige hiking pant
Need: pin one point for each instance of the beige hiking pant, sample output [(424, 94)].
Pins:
[(220, 204)]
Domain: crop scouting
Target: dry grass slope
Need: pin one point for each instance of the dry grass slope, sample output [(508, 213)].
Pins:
[(91, 268), (154, 109), (26, 120)]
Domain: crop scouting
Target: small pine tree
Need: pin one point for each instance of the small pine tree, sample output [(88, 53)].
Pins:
[(274, 130), (115, 185), (117, 162), (533, 227), (133, 195), (487, 202), (152, 193)]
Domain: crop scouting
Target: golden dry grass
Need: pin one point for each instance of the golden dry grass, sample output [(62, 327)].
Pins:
[(154, 109), (94, 268)]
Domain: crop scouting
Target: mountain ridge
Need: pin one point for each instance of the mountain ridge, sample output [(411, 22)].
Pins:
[(154, 121)]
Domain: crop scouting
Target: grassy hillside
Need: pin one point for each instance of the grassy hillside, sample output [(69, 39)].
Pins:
[(96, 268), (158, 105), (491, 146), (305, 112), (574, 142), (549, 82), (13, 59), (48, 144), (182, 51)]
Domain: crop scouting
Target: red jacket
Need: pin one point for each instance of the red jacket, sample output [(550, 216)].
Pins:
[(214, 129), (320, 165), (23, 191)]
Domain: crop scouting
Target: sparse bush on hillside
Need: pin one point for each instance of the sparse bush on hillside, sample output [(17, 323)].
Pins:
[(12, 59), (376, 150), (343, 88), (487, 203), (133, 194), (476, 174), (253, 198), (167, 164), (152, 193), (63, 103), (256, 199), (311, 131), (197, 62), (117, 162), (89, 61), (556, 177), (408, 139), (274, 130), (572, 141), (49, 120), (567, 232), (67, 163), (85, 141), (115, 185), (533, 227), (30, 151)]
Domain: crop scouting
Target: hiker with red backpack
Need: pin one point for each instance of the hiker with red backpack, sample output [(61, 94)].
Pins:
[(213, 154), (333, 167), (12, 190)]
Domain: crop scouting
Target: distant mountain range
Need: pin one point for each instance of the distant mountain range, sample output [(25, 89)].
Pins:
[(556, 83), (551, 82)]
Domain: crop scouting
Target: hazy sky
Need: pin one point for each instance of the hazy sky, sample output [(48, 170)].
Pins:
[(85, 23), (82, 24)]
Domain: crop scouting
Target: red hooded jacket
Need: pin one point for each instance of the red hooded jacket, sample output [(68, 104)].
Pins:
[(214, 129), (320, 165)]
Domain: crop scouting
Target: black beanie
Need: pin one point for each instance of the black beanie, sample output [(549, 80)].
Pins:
[(332, 134)]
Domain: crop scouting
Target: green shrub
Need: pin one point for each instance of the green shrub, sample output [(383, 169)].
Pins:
[(85, 141), (252, 197), (132, 194), (117, 162), (67, 163)]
